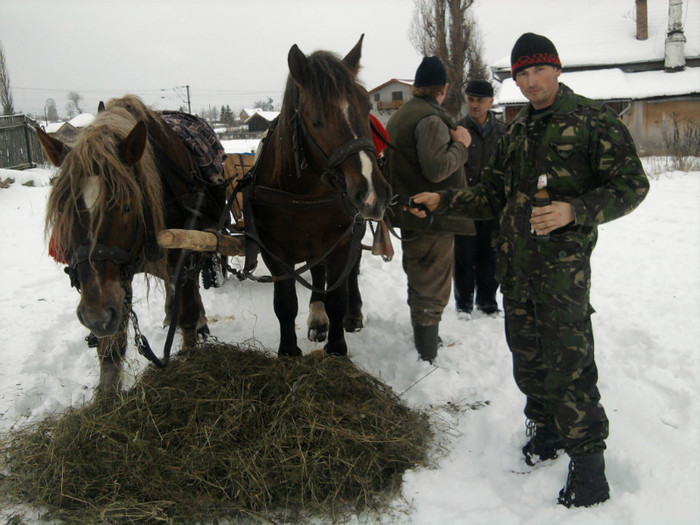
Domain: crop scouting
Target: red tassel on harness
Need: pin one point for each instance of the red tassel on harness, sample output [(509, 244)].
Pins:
[(53, 252), (379, 144)]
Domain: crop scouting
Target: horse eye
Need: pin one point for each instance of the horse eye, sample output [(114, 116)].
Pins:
[(317, 122), (127, 209)]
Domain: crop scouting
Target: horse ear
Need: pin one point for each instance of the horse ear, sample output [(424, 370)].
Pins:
[(100, 107), (132, 147), (298, 66), (55, 150), (352, 59)]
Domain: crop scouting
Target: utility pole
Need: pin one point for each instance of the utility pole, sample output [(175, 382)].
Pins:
[(187, 95)]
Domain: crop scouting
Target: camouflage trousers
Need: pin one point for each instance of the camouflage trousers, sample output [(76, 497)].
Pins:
[(554, 366), (428, 262)]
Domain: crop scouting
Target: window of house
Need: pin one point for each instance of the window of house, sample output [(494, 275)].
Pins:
[(397, 95)]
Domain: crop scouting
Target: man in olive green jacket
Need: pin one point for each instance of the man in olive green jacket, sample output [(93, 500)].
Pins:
[(593, 174), (428, 155)]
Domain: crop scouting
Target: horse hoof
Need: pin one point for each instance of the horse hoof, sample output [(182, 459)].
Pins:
[(290, 352), (203, 333), (317, 333), (352, 324), (338, 350)]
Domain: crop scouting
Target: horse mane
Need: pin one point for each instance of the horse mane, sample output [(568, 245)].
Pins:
[(96, 154), (329, 79)]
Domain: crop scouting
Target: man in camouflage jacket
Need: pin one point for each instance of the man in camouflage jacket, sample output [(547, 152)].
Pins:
[(594, 176)]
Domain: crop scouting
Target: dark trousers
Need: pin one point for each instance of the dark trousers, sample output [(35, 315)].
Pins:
[(554, 366), (427, 261), (475, 265)]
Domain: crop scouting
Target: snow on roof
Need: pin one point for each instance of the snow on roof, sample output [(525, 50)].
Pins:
[(615, 84), (82, 120), (267, 115), (53, 127), (244, 146), (406, 82), (605, 33)]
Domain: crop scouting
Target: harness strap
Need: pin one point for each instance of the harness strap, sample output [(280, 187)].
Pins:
[(292, 273)]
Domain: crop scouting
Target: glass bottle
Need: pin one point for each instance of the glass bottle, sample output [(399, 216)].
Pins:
[(541, 199)]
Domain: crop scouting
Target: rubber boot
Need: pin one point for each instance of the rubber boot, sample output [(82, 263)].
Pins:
[(586, 484), (426, 341)]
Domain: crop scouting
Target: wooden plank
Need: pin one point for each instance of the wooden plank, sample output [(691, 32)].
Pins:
[(235, 166)]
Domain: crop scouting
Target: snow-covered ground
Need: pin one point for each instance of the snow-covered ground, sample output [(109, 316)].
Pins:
[(646, 283)]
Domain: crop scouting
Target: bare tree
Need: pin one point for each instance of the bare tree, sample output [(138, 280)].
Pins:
[(446, 29), (51, 111), (70, 110), (265, 105), (75, 100), (8, 107)]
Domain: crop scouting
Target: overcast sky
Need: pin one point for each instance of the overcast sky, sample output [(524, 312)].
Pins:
[(228, 51)]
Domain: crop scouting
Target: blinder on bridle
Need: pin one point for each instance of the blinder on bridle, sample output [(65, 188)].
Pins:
[(332, 176), (130, 261)]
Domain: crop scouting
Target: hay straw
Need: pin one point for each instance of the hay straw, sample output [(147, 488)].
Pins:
[(222, 432)]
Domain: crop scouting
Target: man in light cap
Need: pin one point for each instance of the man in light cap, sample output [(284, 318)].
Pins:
[(428, 155), (586, 158), (475, 258)]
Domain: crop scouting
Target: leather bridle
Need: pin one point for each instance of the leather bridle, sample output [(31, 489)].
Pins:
[(332, 175)]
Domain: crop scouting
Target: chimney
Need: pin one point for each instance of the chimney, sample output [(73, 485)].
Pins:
[(675, 39), (642, 26)]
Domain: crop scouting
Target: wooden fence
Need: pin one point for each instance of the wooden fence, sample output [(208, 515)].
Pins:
[(19, 145)]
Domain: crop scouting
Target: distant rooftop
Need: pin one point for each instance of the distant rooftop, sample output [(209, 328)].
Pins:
[(605, 35), (614, 84)]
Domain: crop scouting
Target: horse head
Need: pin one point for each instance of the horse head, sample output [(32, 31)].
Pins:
[(332, 112), (98, 212)]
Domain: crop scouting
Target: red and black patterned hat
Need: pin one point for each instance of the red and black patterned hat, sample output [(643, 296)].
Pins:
[(533, 50)]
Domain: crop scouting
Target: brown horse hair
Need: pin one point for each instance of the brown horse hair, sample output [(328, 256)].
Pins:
[(328, 79), (96, 154)]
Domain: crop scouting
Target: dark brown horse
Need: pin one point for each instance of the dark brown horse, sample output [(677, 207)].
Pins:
[(127, 177), (315, 181)]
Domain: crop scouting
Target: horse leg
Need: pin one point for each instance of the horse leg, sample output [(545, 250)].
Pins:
[(110, 352), (352, 322), (202, 323), (286, 307), (336, 305), (169, 294), (191, 316), (318, 320)]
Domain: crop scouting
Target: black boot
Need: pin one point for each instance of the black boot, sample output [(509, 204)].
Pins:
[(426, 341), (586, 484), (543, 444)]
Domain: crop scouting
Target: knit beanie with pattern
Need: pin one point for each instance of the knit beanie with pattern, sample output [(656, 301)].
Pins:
[(533, 50)]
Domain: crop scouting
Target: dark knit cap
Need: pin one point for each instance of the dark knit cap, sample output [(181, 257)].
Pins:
[(533, 50), (431, 72), (479, 88)]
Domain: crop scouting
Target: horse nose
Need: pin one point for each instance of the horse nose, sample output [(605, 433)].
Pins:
[(102, 322)]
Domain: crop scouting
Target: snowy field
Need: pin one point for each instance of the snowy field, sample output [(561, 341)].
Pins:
[(646, 284)]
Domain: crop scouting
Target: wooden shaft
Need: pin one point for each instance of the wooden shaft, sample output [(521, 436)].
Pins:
[(200, 241)]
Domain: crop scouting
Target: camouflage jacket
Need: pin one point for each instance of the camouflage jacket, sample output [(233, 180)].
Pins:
[(591, 162)]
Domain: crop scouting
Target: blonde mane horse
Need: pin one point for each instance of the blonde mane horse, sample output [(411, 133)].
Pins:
[(122, 182)]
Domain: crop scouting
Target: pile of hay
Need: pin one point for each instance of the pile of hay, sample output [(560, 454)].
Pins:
[(222, 432)]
